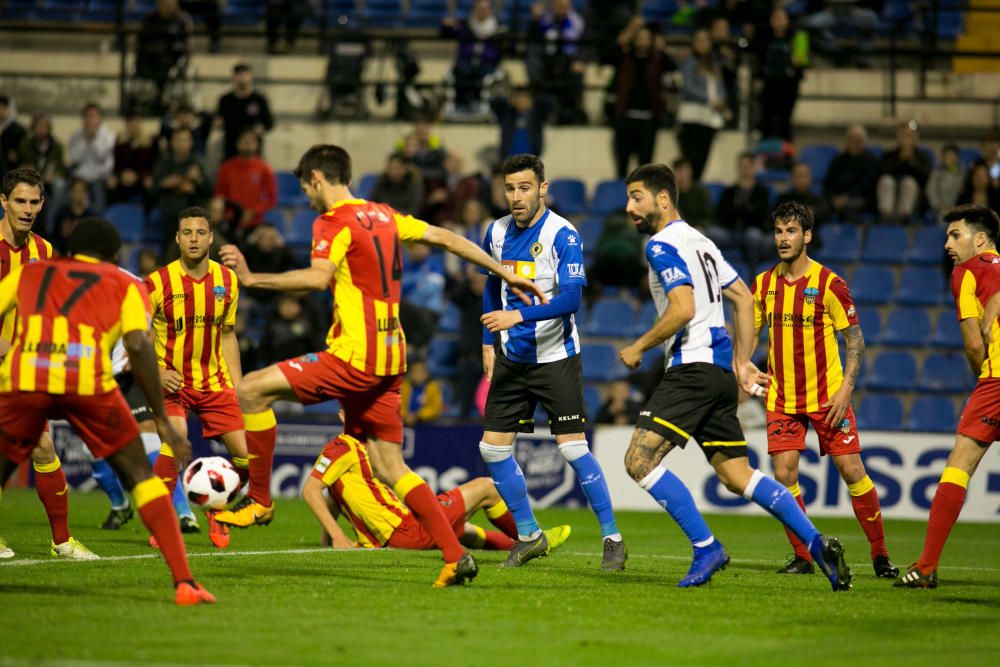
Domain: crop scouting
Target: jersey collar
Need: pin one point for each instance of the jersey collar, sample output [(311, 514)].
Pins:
[(86, 258), (813, 268), (344, 202)]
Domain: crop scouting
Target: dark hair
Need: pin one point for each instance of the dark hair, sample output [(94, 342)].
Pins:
[(26, 175), (193, 212), (745, 155), (239, 68), (793, 211), (524, 162), (4, 100), (951, 147), (399, 155), (91, 106), (681, 162), (95, 237), (981, 218), (331, 161), (76, 180), (655, 178)]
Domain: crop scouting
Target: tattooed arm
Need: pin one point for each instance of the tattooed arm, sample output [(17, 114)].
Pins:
[(841, 399)]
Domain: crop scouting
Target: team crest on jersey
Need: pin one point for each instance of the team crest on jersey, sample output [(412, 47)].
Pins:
[(845, 426), (220, 293), (850, 311), (536, 249), (322, 245), (810, 294)]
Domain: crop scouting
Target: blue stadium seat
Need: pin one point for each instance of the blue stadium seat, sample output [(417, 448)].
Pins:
[(129, 220), (870, 320), (323, 409), (921, 286), (609, 196), (872, 284), (300, 231), (365, 185), (774, 177), (879, 412), (608, 317), (600, 363), (906, 327), (840, 269), (945, 372), (946, 332), (567, 195), (949, 23), (442, 357), (744, 271), (644, 318), (893, 371), (966, 156), (590, 231), (289, 191), (593, 401), (276, 218), (818, 157), (932, 413), (885, 244), (841, 243), (451, 319), (653, 359), (928, 246), (715, 191)]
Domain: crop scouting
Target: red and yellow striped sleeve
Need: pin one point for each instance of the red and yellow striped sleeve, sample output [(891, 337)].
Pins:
[(8, 291), (234, 287), (337, 458), (839, 303), (758, 302)]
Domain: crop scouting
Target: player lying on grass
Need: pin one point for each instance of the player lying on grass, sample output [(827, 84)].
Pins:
[(380, 519)]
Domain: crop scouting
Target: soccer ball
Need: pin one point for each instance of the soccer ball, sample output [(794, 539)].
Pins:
[(211, 482)]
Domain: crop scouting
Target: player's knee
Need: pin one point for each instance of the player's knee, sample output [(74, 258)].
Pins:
[(495, 453), (852, 470)]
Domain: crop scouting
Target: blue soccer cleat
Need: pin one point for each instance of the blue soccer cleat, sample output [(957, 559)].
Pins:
[(828, 554), (707, 561)]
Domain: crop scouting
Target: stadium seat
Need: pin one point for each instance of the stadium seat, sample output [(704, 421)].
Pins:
[(885, 245), (365, 185), (945, 372), (872, 284), (966, 156), (608, 317), (893, 371), (715, 191), (932, 413), (451, 319), (906, 327), (442, 357), (818, 157), (928, 246), (744, 271), (644, 318), (921, 286), (879, 412), (949, 23), (322, 409), (600, 363), (567, 195), (610, 196), (300, 232), (946, 332), (840, 269), (129, 220), (593, 401), (276, 218), (870, 320), (840, 243), (590, 231), (290, 191), (653, 359)]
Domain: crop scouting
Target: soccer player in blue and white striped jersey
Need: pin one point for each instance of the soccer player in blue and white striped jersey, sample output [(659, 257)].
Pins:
[(537, 357)]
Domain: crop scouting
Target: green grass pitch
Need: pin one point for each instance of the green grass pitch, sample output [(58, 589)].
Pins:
[(285, 601)]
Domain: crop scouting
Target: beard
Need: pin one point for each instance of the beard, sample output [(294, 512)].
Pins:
[(648, 223)]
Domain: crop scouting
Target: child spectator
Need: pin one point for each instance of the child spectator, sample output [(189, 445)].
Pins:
[(946, 181), (421, 397)]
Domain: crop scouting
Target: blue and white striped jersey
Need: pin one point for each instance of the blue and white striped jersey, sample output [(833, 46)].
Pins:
[(680, 255), (551, 253)]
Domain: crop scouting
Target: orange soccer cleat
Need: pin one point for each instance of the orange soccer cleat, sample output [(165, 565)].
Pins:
[(192, 593)]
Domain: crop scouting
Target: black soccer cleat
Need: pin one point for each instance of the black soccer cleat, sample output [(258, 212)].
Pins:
[(117, 518), (523, 551), (189, 524), (615, 555), (914, 578), (798, 565), (884, 569)]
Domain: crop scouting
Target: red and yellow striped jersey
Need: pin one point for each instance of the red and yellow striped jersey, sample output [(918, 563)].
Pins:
[(973, 282), (34, 249), (373, 509), (188, 317), (70, 314), (803, 317), (361, 239)]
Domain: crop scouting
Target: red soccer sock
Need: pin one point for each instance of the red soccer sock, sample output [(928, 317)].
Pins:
[(947, 505), (53, 491), (428, 513), (153, 502), (497, 541), (801, 551), (165, 467), (864, 500), (242, 466), (501, 517), (262, 433)]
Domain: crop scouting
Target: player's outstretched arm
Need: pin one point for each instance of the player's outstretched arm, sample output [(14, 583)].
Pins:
[(312, 493), (749, 376), (676, 317), (314, 278)]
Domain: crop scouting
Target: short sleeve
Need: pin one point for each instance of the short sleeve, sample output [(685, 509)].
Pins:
[(331, 240), (135, 310), (840, 304), (670, 267), (569, 250), (336, 459), (410, 228), (154, 290), (8, 290), (963, 287), (230, 320)]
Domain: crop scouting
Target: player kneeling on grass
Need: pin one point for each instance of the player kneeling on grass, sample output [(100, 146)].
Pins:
[(380, 519)]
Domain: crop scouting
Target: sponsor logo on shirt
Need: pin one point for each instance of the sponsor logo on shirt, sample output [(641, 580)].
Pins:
[(572, 239), (671, 274), (656, 249), (322, 464), (575, 270), (523, 269), (850, 311), (322, 245)]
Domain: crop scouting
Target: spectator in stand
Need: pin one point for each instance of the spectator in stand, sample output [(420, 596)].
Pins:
[(742, 214), (241, 108), (979, 187), (472, 223), (288, 14), (421, 398), (135, 156), (618, 257), (249, 347), (147, 262), (850, 179), (480, 44), (165, 39), (850, 18), (728, 58), (497, 205), (266, 252), (638, 94), (781, 66), (946, 181), (803, 191), (179, 181), (43, 152), (422, 294), (621, 408), (248, 181), (12, 135), (703, 102), (76, 209), (693, 200), (468, 296), (903, 174), (211, 14), (447, 204), (400, 185), (92, 154), (425, 151), (522, 116), (989, 149), (553, 58), (290, 331), (183, 114)]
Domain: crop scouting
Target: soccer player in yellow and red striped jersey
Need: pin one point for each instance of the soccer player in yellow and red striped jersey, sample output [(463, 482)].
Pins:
[(804, 304), (356, 254), (22, 199), (975, 284), (70, 314), (194, 301)]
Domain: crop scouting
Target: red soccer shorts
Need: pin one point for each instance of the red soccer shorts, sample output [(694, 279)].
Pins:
[(371, 402), (980, 418), (219, 411), (411, 535), (104, 421), (786, 433)]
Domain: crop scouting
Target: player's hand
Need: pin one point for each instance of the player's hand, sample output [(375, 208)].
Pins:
[(178, 443), (501, 320), (838, 405), (340, 542), (631, 356), (171, 380), (523, 288), (752, 380), (489, 358), (234, 259)]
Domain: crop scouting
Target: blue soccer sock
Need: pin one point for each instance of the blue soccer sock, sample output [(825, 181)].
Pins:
[(181, 506), (510, 484), (777, 500), (671, 494), (106, 478), (595, 486)]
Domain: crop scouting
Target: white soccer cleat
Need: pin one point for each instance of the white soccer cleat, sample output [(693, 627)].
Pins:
[(5, 551), (72, 550)]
